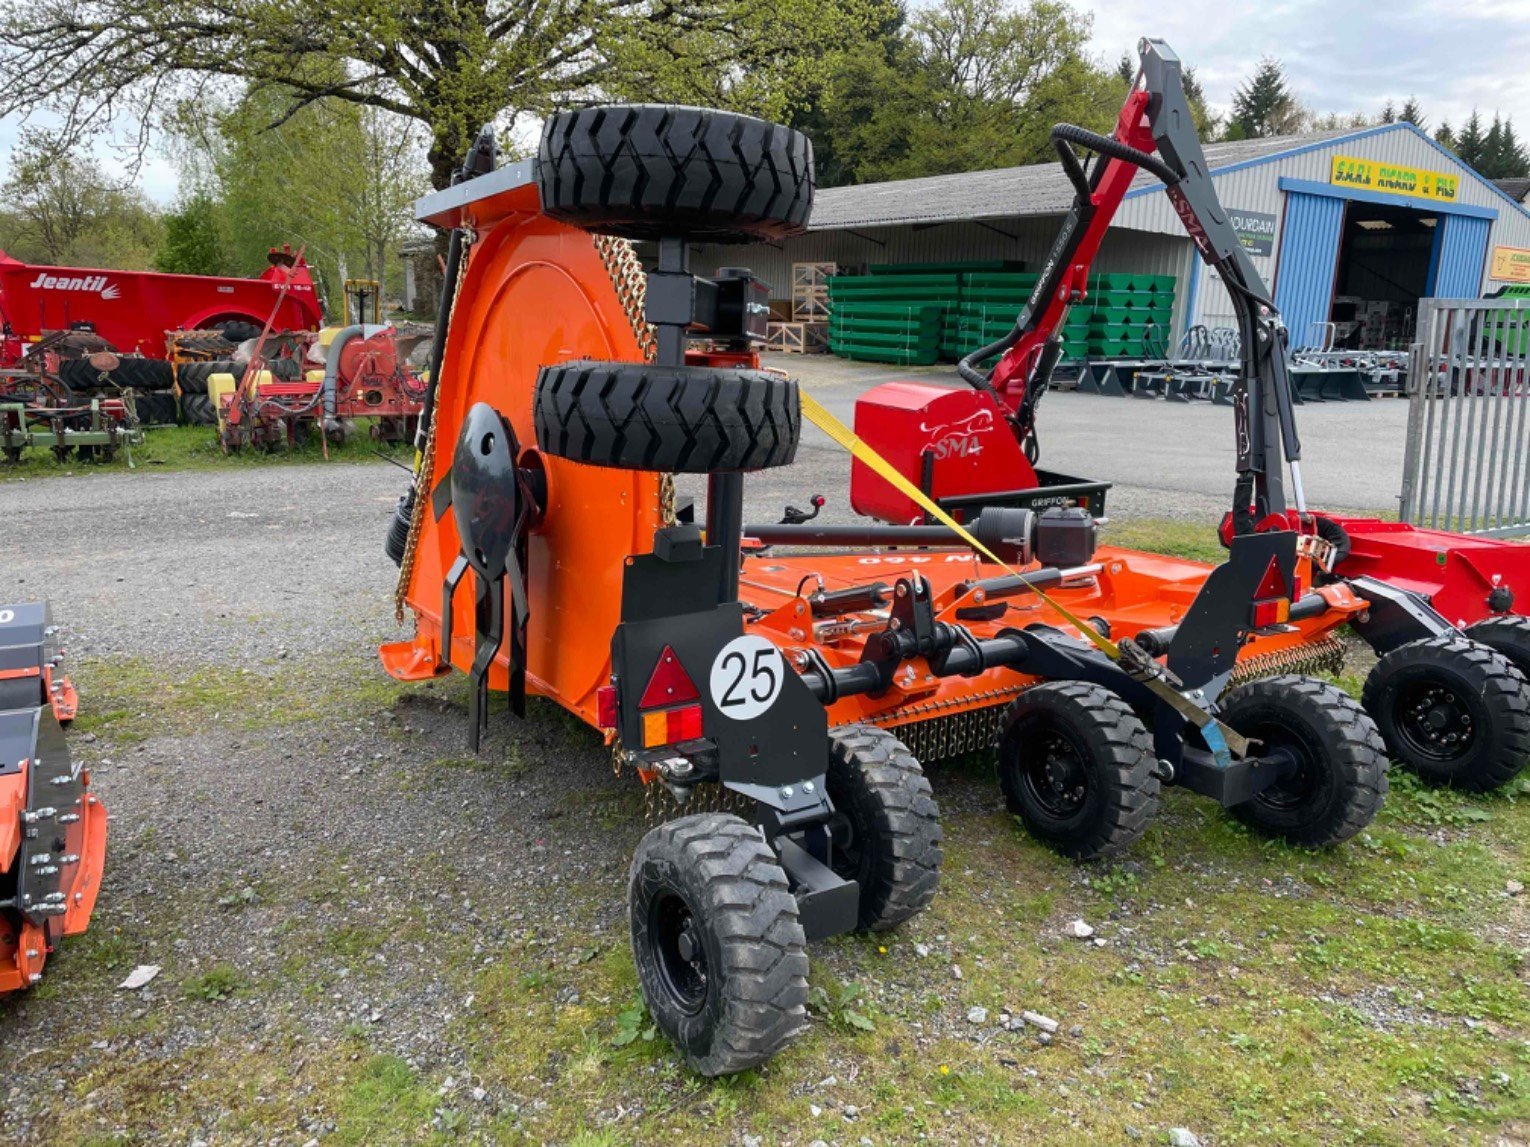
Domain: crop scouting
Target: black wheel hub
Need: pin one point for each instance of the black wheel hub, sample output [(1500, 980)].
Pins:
[(1301, 773), (1055, 776), (679, 951), (1434, 721)]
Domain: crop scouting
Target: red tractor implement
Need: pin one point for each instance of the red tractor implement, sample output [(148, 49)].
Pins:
[(1432, 691), (52, 826), (132, 310), (542, 552), (294, 383)]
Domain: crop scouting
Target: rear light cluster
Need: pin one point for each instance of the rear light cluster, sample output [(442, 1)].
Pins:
[(1272, 600), (670, 706)]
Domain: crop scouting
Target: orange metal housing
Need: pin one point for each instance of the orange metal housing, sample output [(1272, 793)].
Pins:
[(536, 292)]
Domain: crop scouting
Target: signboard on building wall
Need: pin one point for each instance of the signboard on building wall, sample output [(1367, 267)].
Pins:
[(1393, 179), (1256, 230), (1510, 265)]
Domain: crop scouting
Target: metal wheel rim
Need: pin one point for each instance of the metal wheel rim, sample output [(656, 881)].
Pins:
[(1434, 721), (1054, 775), (1306, 773), (679, 952)]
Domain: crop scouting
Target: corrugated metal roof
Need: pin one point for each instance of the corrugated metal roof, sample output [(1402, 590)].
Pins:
[(1515, 188), (1003, 193)]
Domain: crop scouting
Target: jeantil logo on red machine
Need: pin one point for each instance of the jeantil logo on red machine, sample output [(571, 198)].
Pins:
[(95, 284)]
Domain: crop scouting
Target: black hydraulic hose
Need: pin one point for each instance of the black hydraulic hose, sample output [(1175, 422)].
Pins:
[(1064, 135)]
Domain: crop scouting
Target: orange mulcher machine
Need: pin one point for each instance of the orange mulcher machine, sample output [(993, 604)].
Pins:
[(52, 827), (543, 552)]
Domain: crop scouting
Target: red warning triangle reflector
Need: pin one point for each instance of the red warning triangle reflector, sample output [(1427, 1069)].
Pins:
[(669, 685), (1271, 584)]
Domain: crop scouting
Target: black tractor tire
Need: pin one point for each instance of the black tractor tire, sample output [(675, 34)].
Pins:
[(1453, 711), (1507, 633), (207, 343), (721, 956), (398, 528), (197, 410), (886, 829), (193, 376), (236, 331), (1077, 767), (155, 409), (1341, 767), (671, 420), (648, 170)]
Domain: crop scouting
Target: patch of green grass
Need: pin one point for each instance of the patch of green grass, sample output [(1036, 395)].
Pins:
[(1196, 540), (217, 983), (384, 1100), (196, 448)]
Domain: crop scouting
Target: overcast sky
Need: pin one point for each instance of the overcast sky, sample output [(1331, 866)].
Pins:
[(1340, 55), (1344, 56)]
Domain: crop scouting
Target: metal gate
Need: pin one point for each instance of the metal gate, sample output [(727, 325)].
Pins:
[(1466, 466)]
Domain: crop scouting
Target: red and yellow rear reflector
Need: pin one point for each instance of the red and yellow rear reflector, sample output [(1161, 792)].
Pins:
[(671, 726)]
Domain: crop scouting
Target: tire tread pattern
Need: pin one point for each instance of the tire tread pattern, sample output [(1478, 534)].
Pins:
[(1124, 759), (1357, 753), (877, 766), (650, 170), (674, 420), (751, 909)]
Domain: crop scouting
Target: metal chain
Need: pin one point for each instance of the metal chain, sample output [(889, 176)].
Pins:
[(631, 284), (426, 473)]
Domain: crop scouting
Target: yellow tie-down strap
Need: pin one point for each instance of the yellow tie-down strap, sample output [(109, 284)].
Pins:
[(820, 417)]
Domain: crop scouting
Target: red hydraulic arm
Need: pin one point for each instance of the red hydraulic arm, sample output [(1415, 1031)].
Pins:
[(1064, 280)]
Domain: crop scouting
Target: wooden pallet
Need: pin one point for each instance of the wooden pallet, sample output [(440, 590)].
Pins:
[(797, 338), (810, 291)]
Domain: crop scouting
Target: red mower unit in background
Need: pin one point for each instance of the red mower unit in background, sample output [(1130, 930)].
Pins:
[(132, 310), (52, 827)]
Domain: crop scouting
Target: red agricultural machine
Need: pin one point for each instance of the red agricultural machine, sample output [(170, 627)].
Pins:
[(282, 387), (132, 310), (542, 552), (52, 826)]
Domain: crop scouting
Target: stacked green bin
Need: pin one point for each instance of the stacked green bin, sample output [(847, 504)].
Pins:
[(898, 312), (1129, 315)]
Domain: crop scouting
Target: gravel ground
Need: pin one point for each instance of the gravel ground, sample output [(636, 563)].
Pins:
[(273, 798)]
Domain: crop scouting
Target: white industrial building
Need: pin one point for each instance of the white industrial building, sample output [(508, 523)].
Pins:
[(1351, 226)]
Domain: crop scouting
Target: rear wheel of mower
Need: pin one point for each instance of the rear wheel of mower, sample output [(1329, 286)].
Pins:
[(886, 828), (1509, 634), (721, 957), (1338, 775), (670, 420), (1077, 767), (1452, 710), (647, 171)]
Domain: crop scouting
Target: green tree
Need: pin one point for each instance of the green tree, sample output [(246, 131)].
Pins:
[(1445, 135), (968, 85), (1471, 142), (1413, 113), (335, 178), (61, 208), (449, 66), (192, 243), (1388, 113), (1263, 105)]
